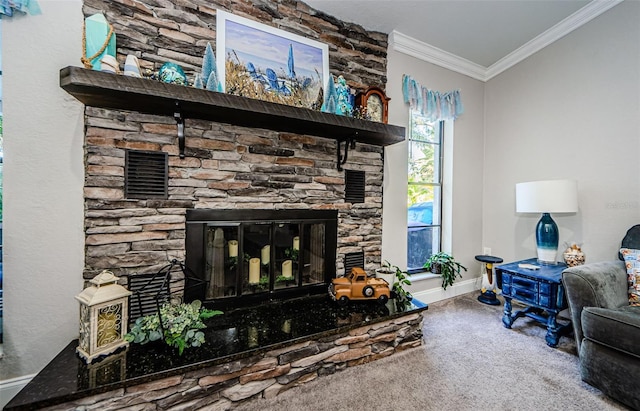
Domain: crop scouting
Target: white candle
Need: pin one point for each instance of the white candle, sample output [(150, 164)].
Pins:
[(266, 254), (233, 248), (286, 269), (254, 271), (252, 336), (296, 243), (286, 326)]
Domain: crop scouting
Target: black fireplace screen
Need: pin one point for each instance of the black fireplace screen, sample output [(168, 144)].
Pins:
[(260, 254)]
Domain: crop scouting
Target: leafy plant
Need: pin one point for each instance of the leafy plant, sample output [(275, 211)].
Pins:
[(180, 327), (292, 253), (232, 262), (402, 296), (283, 279), (445, 265), (263, 283)]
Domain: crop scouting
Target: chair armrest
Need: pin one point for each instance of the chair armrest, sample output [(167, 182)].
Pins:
[(602, 284)]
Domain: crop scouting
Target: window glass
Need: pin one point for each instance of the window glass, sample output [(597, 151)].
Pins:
[(424, 196), (424, 162)]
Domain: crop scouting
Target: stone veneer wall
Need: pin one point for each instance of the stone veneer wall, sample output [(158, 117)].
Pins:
[(225, 166), (221, 170), (266, 375)]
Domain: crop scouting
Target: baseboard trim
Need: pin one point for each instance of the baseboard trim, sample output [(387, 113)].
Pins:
[(9, 388), (458, 288)]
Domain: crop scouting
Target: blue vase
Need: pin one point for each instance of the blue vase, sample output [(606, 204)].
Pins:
[(547, 239)]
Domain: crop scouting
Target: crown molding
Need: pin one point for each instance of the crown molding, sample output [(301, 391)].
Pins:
[(555, 33), (423, 51)]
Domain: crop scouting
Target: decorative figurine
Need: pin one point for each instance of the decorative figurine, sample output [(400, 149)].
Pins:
[(197, 81), (98, 40), (109, 64), (359, 286), (573, 255), (330, 103), (209, 78), (132, 66), (345, 104), (172, 73)]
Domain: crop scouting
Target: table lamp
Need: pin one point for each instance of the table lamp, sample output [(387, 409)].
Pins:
[(551, 196)]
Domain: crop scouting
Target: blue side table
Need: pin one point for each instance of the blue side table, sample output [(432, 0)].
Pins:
[(540, 289)]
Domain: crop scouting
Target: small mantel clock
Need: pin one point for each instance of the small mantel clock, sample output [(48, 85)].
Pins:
[(376, 103)]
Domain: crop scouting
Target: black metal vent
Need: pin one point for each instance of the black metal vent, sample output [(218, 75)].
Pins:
[(145, 174), (354, 186), (149, 291), (353, 260)]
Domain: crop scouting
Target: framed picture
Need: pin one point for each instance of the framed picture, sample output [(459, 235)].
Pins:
[(258, 61)]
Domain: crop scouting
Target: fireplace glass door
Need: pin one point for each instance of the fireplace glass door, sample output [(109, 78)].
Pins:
[(222, 258), (287, 251), (313, 263), (267, 257), (246, 259), (256, 276)]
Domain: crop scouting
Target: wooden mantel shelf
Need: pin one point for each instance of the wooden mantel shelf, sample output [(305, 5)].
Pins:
[(105, 90)]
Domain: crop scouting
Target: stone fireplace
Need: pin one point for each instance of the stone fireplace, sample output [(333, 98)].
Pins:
[(231, 160)]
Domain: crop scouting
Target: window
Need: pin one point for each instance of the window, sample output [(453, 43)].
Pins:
[(424, 198)]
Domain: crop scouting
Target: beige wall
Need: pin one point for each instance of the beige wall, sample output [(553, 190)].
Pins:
[(569, 111), (43, 178), (464, 239)]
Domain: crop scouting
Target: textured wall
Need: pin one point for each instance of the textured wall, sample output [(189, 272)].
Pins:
[(43, 202), (226, 166)]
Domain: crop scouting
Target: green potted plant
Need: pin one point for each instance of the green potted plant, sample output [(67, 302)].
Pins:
[(387, 273), (180, 326), (398, 279), (402, 296), (445, 265)]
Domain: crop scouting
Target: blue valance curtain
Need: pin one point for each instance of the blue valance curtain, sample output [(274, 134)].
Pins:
[(431, 104), (8, 7)]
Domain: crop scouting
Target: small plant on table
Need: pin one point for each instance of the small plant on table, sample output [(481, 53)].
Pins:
[(402, 296)]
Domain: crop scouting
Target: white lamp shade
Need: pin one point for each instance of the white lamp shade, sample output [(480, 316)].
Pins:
[(551, 196)]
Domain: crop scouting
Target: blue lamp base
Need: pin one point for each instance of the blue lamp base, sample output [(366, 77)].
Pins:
[(547, 239)]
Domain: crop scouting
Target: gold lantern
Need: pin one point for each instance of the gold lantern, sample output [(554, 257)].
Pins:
[(104, 312)]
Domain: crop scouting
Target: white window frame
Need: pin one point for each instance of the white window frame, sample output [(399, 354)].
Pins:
[(437, 203)]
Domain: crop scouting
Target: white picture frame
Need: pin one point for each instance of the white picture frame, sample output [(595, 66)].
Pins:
[(259, 61)]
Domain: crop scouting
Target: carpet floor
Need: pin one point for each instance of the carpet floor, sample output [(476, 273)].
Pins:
[(469, 361)]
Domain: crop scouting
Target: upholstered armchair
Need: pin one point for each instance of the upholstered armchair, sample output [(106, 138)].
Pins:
[(606, 327)]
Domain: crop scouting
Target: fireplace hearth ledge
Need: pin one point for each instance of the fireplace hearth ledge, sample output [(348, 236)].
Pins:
[(257, 351)]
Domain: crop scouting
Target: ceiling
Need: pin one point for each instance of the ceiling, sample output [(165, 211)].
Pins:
[(482, 33)]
